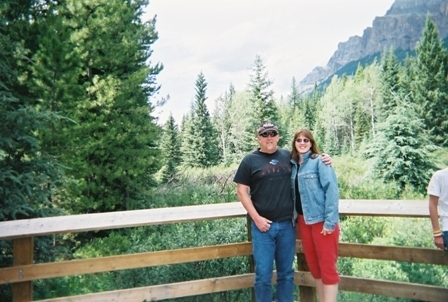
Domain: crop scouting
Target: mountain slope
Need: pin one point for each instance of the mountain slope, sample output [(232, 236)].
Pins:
[(400, 28)]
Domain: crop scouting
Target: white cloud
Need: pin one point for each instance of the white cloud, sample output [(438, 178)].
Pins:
[(222, 37)]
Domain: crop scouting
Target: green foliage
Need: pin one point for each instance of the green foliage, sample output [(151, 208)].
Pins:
[(170, 147), (429, 84), (243, 126), (401, 150), (355, 181), (195, 186), (261, 94), (166, 237), (390, 82), (75, 89), (223, 125), (29, 177), (288, 123), (114, 145), (309, 108), (294, 98), (364, 230), (292, 115), (440, 158), (413, 232), (199, 137), (328, 117), (88, 61)]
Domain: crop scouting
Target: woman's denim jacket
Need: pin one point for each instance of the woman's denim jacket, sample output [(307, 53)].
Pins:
[(318, 188)]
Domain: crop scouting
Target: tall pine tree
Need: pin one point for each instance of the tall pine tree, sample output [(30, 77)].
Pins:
[(199, 139), (261, 94), (294, 96), (170, 147), (429, 83), (400, 150), (390, 82), (89, 62), (29, 176)]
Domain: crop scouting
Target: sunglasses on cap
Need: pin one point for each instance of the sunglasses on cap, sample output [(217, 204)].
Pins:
[(305, 140), (271, 134)]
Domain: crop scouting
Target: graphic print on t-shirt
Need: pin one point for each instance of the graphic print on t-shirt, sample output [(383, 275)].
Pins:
[(274, 162), (275, 169)]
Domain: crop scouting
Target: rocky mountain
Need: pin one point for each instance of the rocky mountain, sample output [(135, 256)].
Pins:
[(401, 28)]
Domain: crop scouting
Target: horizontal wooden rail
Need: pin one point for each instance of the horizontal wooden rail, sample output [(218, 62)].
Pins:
[(166, 291), (22, 274), (392, 208), (417, 292), (120, 262), (114, 220), (30, 272), (213, 285), (394, 253)]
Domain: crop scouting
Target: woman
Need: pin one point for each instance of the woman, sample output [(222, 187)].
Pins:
[(316, 194)]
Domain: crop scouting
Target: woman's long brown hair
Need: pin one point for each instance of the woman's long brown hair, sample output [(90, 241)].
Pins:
[(309, 135)]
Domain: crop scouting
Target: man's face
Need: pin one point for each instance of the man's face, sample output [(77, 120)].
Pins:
[(268, 141)]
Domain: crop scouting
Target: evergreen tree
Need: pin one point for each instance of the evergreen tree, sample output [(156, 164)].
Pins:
[(242, 125), (29, 177), (390, 82), (291, 115), (222, 123), (361, 128), (199, 142), (429, 83), (264, 107), (170, 147), (112, 149), (319, 132), (309, 108), (401, 148), (186, 130), (294, 96)]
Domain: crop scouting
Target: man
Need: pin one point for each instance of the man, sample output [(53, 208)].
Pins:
[(438, 198), (266, 173)]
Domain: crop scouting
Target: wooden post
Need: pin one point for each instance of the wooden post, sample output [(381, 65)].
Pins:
[(23, 254), (251, 256), (306, 293)]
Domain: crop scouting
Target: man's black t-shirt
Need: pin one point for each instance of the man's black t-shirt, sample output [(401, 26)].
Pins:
[(268, 176)]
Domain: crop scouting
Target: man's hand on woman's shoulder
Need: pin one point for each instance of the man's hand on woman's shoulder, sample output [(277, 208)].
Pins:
[(327, 159)]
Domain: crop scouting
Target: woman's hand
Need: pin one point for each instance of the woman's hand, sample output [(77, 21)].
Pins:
[(326, 231)]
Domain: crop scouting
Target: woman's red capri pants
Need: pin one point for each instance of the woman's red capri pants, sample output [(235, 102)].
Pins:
[(321, 252)]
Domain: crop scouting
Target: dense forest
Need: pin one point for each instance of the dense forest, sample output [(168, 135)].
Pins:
[(78, 135)]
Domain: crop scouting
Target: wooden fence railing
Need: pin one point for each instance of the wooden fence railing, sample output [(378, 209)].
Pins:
[(24, 271)]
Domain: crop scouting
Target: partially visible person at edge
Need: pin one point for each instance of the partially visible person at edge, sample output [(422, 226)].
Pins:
[(316, 194), (438, 198), (263, 188)]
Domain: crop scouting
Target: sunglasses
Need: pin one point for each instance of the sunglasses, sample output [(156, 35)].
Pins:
[(271, 134), (305, 140)]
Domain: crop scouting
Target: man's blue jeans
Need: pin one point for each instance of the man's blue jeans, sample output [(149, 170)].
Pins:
[(276, 244)]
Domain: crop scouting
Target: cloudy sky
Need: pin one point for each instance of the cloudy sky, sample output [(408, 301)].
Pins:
[(221, 38)]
